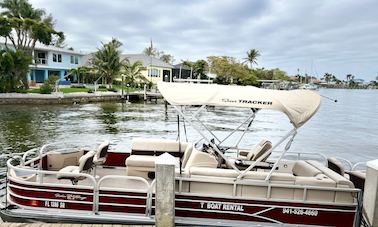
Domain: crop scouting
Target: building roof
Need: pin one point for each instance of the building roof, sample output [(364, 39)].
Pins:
[(146, 60), (182, 66), (43, 47), (57, 49)]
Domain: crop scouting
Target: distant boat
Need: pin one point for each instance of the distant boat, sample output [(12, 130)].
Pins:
[(310, 86)]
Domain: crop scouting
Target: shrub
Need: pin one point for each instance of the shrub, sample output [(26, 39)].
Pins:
[(48, 86), (102, 86), (46, 89), (90, 91)]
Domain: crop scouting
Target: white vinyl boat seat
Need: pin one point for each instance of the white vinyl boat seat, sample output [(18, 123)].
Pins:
[(358, 178), (23, 175), (101, 153), (262, 148), (85, 166), (144, 152), (335, 165)]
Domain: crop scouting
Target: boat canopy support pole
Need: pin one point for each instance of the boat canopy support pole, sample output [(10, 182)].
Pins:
[(287, 147), (245, 131), (206, 139), (237, 128), (241, 175)]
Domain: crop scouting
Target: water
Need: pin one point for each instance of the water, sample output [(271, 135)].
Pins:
[(348, 128)]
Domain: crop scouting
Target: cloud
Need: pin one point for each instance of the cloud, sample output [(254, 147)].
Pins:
[(324, 36)]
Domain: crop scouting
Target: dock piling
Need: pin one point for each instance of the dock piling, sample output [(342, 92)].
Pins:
[(165, 191), (370, 200)]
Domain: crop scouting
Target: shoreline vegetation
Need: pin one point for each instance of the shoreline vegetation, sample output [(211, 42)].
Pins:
[(23, 26)]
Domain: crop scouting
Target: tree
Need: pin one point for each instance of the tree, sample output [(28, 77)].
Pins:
[(133, 72), (14, 65), (167, 58), (328, 77), (107, 61), (228, 71), (251, 58), (79, 71), (151, 51), (23, 26)]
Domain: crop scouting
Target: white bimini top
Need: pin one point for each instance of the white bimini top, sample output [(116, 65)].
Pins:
[(298, 105)]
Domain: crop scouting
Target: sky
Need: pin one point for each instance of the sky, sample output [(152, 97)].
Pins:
[(334, 36)]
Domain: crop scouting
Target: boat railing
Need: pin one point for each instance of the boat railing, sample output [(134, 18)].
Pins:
[(269, 186), (147, 190), (64, 194), (359, 166), (305, 155)]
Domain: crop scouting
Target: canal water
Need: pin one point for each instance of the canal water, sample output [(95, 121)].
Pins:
[(347, 128)]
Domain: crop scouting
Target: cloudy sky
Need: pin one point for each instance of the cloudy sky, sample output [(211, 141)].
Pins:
[(335, 36)]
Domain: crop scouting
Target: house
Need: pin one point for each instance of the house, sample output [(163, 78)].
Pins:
[(153, 70), (181, 71), (50, 60)]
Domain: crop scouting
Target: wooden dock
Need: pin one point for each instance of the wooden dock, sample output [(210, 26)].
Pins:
[(8, 224)]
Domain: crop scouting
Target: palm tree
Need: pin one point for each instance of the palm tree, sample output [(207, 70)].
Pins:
[(251, 58), (167, 58), (328, 77), (79, 71), (107, 61), (133, 72)]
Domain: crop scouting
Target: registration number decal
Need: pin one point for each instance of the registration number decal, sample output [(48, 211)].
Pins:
[(55, 204)]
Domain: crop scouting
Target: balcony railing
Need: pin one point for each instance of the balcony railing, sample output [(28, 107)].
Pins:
[(42, 61)]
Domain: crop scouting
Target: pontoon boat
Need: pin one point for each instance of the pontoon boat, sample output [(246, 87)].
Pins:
[(216, 185)]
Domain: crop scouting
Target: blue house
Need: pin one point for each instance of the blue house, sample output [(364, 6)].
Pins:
[(50, 60)]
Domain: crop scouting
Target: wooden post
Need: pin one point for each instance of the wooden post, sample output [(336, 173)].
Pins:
[(165, 190), (145, 93), (370, 200)]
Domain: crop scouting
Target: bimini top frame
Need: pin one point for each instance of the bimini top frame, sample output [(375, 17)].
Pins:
[(298, 105)]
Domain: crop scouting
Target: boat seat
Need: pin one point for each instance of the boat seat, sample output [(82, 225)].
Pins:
[(156, 147), (145, 152), (262, 148), (23, 175), (341, 182), (85, 166), (303, 169), (358, 178), (101, 153), (335, 165)]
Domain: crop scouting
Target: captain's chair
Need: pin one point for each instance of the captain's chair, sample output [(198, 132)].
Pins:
[(100, 155), (262, 148), (85, 166)]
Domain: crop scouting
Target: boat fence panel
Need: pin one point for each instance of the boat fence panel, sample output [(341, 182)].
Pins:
[(261, 201)]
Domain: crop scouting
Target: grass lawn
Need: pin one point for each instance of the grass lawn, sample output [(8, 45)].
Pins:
[(73, 90)]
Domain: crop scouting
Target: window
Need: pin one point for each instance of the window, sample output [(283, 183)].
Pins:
[(76, 60), (154, 72), (57, 57), (72, 59)]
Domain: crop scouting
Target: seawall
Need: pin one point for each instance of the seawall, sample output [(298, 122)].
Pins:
[(58, 98)]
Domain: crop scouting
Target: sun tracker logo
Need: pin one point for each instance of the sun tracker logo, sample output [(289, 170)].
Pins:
[(255, 102)]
